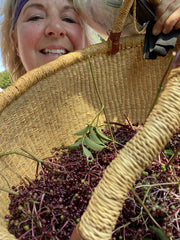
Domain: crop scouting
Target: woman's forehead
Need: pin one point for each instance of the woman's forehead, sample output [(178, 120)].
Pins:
[(21, 4), (48, 1)]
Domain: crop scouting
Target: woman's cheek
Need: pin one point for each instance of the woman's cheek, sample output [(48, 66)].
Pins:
[(29, 34), (77, 37)]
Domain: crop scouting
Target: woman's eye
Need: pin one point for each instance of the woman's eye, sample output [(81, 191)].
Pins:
[(34, 18), (69, 20)]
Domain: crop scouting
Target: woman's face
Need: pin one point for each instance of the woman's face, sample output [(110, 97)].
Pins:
[(45, 30)]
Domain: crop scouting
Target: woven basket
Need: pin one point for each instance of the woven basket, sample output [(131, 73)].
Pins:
[(43, 108)]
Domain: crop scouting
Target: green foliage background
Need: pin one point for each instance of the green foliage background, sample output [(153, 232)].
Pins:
[(4, 80)]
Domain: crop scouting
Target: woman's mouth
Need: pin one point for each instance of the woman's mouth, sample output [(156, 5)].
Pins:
[(59, 52)]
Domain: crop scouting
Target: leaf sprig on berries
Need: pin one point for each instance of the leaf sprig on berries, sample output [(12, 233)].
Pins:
[(92, 139)]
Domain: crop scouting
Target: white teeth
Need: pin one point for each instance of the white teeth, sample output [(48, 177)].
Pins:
[(55, 51)]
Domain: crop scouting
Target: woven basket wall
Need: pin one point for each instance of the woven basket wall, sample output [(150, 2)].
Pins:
[(43, 108), (46, 106)]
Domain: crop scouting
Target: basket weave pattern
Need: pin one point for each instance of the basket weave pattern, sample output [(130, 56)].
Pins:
[(43, 108), (54, 106)]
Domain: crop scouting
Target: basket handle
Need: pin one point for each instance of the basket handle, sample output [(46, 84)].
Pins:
[(101, 215), (115, 34)]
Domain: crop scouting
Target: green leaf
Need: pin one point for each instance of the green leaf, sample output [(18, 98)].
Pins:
[(76, 145), (160, 233), (102, 135), (94, 137), (82, 131), (88, 154), (92, 145)]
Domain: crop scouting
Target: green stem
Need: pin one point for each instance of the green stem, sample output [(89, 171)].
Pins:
[(100, 99), (32, 155), (40, 161), (97, 116), (145, 208), (147, 192), (9, 191), (95, 82), (17, 153), (156, 185), (161, 83)]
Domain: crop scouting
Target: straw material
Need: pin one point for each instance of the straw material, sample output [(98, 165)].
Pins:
[(43, 108), (102, 213), (46, 106)]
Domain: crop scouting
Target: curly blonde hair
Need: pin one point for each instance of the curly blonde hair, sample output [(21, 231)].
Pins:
[(11, 60)]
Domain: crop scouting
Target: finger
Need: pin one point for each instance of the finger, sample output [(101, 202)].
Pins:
[(172, 22), (164, 13), (157, 29), (167, 20), (177, 26), (161, 16), (162, 7)]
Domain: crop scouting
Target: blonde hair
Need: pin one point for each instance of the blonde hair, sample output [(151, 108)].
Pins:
[(11, 60)]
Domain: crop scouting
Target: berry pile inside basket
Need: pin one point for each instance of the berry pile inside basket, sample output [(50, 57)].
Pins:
[(50, 205)]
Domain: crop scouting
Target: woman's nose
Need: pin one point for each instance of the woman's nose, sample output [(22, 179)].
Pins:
[(55, 28)]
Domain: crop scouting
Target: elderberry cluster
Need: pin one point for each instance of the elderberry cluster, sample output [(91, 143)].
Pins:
[(49, 206)]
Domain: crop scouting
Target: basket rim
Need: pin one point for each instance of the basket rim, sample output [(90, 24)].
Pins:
[(29, 79)]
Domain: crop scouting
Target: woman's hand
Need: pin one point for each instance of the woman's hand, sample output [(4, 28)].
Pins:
[(167, 16)]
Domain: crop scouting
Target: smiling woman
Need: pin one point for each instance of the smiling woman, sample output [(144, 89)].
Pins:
[(45, 30), (35, 32)]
